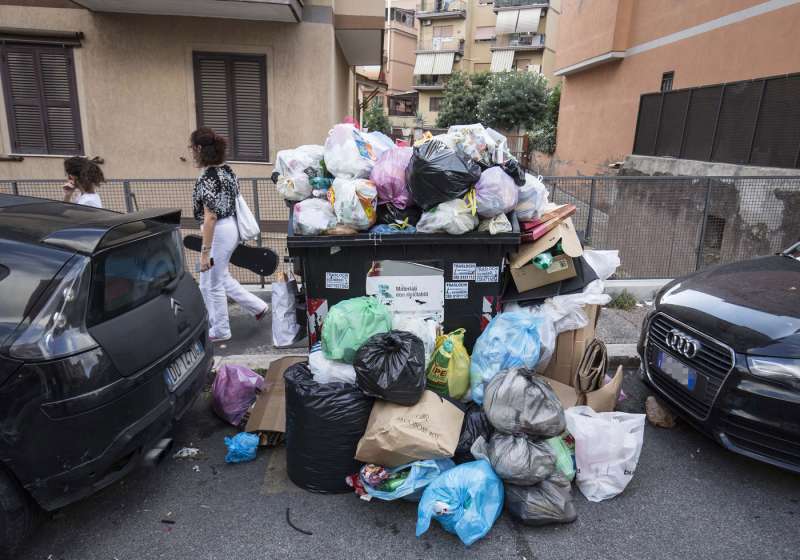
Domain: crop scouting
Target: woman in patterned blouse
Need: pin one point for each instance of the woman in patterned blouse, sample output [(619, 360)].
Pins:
[(214, 204)]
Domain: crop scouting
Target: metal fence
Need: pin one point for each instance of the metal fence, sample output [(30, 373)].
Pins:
[(663, 226), (754, 122)]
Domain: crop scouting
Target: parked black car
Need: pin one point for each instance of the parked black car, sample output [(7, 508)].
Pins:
[(722, 347), (103, 346)]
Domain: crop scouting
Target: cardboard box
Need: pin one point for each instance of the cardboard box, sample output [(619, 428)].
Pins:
[(268, 415), (603, 399), (570, 346), (527, 277)]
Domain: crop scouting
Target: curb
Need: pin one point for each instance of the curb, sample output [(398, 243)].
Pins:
[(624, 355)]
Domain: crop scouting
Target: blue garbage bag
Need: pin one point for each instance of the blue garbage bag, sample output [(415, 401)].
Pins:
[(422, 473), (466, 500), (241, 447), (510, 340), (391, 229)]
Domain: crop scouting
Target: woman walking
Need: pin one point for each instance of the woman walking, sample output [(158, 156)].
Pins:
[(214, 204), (83, 178)]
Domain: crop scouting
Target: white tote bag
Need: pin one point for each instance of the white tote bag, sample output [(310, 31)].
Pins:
[(245, 221), (284, 318), (607, 448)]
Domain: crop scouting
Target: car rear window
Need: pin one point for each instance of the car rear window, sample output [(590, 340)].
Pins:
[(130, 275)]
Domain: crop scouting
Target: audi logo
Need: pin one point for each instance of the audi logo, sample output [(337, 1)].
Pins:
[(682, 343)]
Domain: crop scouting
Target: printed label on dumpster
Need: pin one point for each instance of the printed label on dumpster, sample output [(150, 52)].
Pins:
[(422, 296), (337, 280), (463, 271), (456, 290), (487, 273)]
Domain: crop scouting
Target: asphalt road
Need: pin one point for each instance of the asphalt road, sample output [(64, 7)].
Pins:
[(689, 498)]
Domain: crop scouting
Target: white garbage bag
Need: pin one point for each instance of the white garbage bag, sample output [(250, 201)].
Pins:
[(607, 449), (284, 312), (498, 224), (604, 263), (354, 202), (424, 327), (329, 371), (348, 152), (533, 197), (380, 142), (313, 216), (454, 217), (295, 168)]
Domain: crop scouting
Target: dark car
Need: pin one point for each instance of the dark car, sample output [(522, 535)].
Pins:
[(722, 347), (103, 346)]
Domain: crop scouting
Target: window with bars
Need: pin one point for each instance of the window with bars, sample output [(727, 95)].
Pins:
[(231, 98), (41, 99), (666, 81), (434, 103)]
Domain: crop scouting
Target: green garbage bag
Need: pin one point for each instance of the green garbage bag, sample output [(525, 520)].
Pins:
[(564, 465), (350, 323)]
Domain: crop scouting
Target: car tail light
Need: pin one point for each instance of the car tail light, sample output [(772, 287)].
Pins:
[(58, 327)]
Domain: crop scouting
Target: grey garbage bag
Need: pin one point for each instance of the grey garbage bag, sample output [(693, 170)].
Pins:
[(516, 459), (517, 401), (547, 502)]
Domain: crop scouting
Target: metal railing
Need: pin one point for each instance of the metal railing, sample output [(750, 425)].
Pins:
[(441, 44), (444, 7), (519, 41), (431, 80), (663, 227), (521, 3)]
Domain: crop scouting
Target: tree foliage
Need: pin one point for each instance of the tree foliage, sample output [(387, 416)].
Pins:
[(514, 100), (543, 137), (376, 119), (462, 93)]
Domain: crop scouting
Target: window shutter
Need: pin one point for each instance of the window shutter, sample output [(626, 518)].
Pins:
[(213, 101), (60, 102), (25, 101)]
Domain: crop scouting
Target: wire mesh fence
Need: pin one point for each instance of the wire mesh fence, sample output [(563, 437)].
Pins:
[(664, 227)]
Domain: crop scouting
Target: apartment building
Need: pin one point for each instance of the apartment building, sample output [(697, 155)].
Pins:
[(481, 36), (127, 81), (681, 83)]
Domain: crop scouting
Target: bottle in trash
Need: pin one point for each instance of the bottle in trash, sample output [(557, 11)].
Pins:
[(438, 369), (542, 261)]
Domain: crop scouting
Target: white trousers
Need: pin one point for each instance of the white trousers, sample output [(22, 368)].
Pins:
[(217, 284)]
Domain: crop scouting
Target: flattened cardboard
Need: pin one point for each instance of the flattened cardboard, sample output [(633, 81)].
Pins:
[(528, 277), (584, 275), (570, 346), (603, 399), (269, 411)]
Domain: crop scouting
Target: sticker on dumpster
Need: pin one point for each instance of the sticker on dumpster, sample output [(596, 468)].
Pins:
[(456, 290), (486, 273), (414, 295), (337, 280), (463, 271)]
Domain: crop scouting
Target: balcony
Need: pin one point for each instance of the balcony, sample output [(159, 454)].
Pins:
[(441, 44), (519, 42), (441, 9), (520, 4), (430, 82), (256, 10)]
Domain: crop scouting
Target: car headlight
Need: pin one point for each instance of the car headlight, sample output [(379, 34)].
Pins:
[(781, 370)]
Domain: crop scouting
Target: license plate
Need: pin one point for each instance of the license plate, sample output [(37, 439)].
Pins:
[(182, 365), (681, 373)]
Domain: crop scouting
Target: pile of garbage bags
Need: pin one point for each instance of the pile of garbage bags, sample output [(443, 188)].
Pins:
[(455, 183)]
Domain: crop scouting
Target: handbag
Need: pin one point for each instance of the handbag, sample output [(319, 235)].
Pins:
[(246, 222)]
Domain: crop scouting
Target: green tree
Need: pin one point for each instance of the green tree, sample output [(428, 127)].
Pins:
[(543, 137), (514, 100), (376, 119), (462, 93)]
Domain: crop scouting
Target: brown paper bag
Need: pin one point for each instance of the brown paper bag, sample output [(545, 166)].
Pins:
[(398, 434)]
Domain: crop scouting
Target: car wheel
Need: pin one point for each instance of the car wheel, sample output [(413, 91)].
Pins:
[(16, 516)]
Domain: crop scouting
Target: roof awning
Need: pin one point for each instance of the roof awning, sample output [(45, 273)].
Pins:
[(424, 64), (502, 61), (443, 63), (44, 37), (518, 21)]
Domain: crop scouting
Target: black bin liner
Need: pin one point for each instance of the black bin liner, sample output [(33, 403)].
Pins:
[(324, 422), (390, 214), (475, 424), (436, 174), (391, 366), (548, 502)]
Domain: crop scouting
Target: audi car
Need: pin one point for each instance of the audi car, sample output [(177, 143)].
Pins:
[(103, 346), (722, 348)]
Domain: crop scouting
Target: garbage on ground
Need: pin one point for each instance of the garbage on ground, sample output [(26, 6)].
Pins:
[(350, 323), (547, 502), (241, 447), (391, 366), (393, 215), (466, 500), (516, 459), (533, 195), (324, 423), (495, 193), (389, 176), (562, 245), (425, 328), (284, 311), (437, 174), (234, 392), (475, 425), (453, 216), (349, 153), (510, 340), (329, 371), (406, 481), (186, 453), (518, 401), (295, 170), (313, 216), (448, 369), (354, 202), (607, 448), (498, 224), (268, 415), (658, 414), (397, 434)]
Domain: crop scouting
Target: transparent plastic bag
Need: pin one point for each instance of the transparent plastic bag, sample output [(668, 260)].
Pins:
[(421, 473), (348, 152), (510, 340), (329, 371), (454, 217), (498, 224), (520, 402), (495, 193), (313, 216), (296, 167), (604, 263), (379, 141), (548, 502), (516, 459), (424, 327), (389, 176), (533, 197), (475, 142), (354, 202)]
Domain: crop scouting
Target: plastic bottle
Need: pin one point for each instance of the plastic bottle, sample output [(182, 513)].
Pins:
[(542, 261)]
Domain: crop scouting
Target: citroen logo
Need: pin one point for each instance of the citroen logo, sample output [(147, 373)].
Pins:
[(682, 343), (176, 306)]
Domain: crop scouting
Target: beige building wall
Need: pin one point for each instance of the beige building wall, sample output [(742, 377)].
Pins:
[(136, 87), (400, 59), (599, 105)]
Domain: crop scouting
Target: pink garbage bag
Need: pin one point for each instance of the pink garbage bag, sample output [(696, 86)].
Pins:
[(389, 175), (234, 392)]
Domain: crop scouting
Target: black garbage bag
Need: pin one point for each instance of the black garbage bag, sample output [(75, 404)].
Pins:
[(391, 366), (324, 422), (475, 425), (517, 401), (390, 214), (515, 171), (548, 502), (516, 459), (436, 174)]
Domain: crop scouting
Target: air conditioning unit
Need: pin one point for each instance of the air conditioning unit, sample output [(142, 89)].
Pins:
[(534, 68), (427, 22)]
